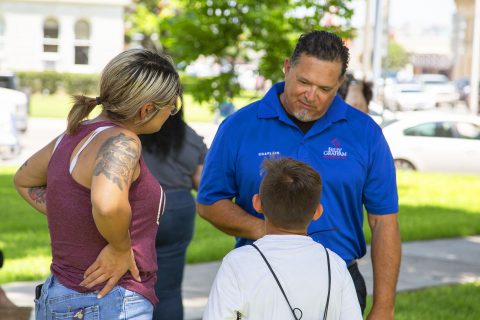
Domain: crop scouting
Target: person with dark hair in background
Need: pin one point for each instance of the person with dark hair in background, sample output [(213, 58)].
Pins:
[(175, 157), (101, 201), (314, 280), (357, 93), (305, 119)]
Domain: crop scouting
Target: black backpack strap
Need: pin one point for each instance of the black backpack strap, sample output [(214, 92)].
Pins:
[(279, 285)]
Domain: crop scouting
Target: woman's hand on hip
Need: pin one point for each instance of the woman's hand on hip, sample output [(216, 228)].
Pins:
[(110, 265)]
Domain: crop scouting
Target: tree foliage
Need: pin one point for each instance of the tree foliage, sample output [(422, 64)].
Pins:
[(237, 31), (397, 56)]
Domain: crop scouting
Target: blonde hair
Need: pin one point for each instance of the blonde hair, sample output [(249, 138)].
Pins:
[(130, 80)]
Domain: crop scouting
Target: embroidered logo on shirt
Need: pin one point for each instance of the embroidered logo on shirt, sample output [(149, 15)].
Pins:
[(269, 153), (335, 152)]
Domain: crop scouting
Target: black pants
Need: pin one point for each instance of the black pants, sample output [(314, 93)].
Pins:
[(360, 286)]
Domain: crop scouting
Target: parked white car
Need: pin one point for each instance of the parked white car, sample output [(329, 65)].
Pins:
[(381, 115), (408, 97), (444, 91), (435, 141), (20, 102), (9, 140)]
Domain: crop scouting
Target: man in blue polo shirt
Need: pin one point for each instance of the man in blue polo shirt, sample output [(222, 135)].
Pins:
[(303, 118)]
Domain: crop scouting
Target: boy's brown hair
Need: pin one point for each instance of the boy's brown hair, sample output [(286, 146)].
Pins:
[(290, 192)]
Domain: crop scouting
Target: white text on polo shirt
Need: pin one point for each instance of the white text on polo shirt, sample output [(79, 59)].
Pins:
[(335, 153), (269, 153)]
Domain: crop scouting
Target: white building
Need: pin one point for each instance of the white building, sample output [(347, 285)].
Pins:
[(60, 35)]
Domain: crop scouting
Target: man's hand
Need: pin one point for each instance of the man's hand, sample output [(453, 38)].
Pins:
[(109, 267), (232, 219)]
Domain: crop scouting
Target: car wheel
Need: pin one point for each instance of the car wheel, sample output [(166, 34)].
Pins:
[(401, 164)]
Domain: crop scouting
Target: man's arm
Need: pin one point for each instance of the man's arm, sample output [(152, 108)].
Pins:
[(232, 219), (386, 255)]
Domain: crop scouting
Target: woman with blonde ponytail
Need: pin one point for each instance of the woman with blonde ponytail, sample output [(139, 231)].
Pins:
[(102, 203)]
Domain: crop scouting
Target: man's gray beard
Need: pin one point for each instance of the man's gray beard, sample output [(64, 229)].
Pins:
[(303, 116)]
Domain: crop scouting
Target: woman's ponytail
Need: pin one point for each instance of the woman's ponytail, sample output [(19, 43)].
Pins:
[(82, 106)]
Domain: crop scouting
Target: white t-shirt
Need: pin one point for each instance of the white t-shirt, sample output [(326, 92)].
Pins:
[(244, 283)]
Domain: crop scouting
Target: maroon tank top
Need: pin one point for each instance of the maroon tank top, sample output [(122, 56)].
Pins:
[(75, 239)]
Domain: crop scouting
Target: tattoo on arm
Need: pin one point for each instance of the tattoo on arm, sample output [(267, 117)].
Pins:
[(38, 194), (117, 158)]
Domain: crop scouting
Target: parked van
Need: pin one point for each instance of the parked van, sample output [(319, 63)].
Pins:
[(10, 94)]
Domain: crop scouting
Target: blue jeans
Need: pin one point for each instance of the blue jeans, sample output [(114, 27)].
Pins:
[(174, 234), (58, 302)]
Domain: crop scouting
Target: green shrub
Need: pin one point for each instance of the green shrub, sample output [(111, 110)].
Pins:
[(50, 82), (82, 83)]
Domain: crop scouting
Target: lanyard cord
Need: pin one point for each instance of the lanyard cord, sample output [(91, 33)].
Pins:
[(283, 292), (329, 285), (319, 231)]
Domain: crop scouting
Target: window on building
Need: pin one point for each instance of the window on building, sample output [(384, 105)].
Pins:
[(50, 35), (82, 42)]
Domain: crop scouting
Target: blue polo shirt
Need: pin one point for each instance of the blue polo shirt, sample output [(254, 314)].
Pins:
[(345, 146)]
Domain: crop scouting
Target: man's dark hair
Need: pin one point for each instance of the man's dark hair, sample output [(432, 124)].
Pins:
[(290, 192), (322, 45)]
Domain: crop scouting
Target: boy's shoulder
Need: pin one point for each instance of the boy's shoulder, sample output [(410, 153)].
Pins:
[(239, 253)]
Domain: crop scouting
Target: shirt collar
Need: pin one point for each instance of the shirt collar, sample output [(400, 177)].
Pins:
[(272, 108)]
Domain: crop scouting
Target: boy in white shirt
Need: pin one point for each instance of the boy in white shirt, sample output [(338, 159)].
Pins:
[(316, 284)]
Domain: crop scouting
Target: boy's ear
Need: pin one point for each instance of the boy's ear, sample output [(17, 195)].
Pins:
[(318, 212), (257, 203)]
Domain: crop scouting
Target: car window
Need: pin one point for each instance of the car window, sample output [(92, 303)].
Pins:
[(7, 82), (468, 130), (431, 129)]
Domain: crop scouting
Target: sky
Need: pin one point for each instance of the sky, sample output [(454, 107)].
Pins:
[(421, 12)]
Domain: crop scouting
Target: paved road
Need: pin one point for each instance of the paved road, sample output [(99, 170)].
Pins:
[(42, 130)]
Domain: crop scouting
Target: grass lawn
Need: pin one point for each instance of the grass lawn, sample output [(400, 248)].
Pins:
[(439, 303), (436, 206), (432, 206), (58, 106)]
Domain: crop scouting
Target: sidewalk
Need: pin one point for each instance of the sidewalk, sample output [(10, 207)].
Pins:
[(424, 264)]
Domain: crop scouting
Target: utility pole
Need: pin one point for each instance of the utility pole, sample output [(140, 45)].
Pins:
[(475, 72), (377, 48), (367, 42)]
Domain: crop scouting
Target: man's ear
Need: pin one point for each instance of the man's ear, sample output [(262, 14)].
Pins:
[(286, 66), (257, 203), (318, 212), (146, 110)]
